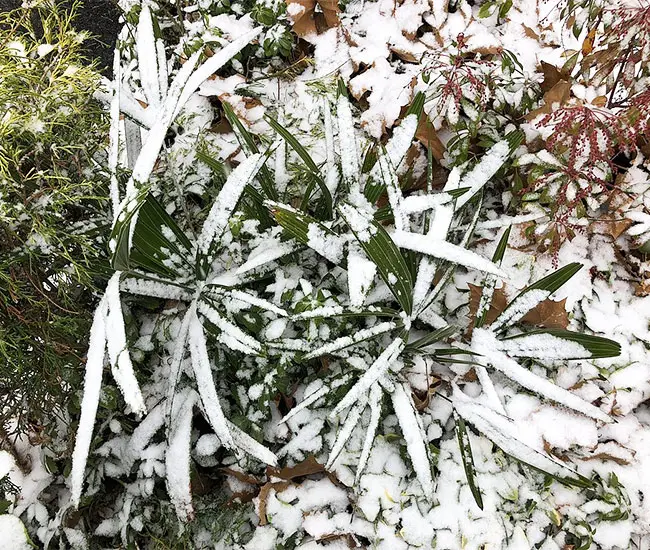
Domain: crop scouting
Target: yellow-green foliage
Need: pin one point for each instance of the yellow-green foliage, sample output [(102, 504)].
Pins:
[(50, 130)]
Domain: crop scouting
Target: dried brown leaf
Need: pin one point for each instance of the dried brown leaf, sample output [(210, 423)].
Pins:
[(548, 314), (306, 21), (559, 93), (427, 136), (499, 303)]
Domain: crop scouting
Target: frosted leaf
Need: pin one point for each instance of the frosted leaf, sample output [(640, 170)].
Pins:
[(485, 343), (332, 172), (438, 228), (345, 431), (315, 396), (92, 387), (270, 252), (489, 390), (543, 346), (155, 289), (247, 444), (258, 302), (142, 435), (505, 434), (145, 42), (374, 401), (177, 456), (416, 444), (398, 144), (118, 351), (214, 63), (360, 222), (231, 335), (348, 149), (504, 221), (377, 370), (346, 341), (395, 198), (176, 361), (114, 135), (205, 383), (328, 245), (156, 136), (478, 176), (415, 204), (163, 76), (444, 250), (223, 206), (361, 274)]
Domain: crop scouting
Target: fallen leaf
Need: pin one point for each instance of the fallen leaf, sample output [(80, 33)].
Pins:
[(560, 93), (241, 476), (552, 75), (530, 33), (427, 136), (599, 101), (404, 55), (305, 20), (548, 314), (264, 496), (307, 467), (499, 302)]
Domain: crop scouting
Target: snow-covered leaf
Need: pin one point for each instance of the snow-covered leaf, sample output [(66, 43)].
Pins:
[(205, 382), (559, 344), (380, 248), (92, 387), (177, 456), (468, 459), (416, 443)]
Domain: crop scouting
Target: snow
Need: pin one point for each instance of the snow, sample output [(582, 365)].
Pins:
[(445, 250), (14, 534)]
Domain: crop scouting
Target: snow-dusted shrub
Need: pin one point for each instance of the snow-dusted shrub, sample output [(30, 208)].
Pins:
[(253, 303), (51, 209), (300, 363)]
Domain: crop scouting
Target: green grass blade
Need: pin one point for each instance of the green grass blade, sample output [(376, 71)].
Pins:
[(306, 158), (468, 459), (381, 249)]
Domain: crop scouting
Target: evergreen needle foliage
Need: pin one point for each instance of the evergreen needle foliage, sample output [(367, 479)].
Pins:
[(51, 210)]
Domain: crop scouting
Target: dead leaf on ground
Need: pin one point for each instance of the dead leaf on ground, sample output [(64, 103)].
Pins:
[(498, 304), (422, 398), (307, 467), (530, 33), (404, 55), (546, 314), (305, 20), (427, 136), (559, 93), (264, 497), (552, 75)]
